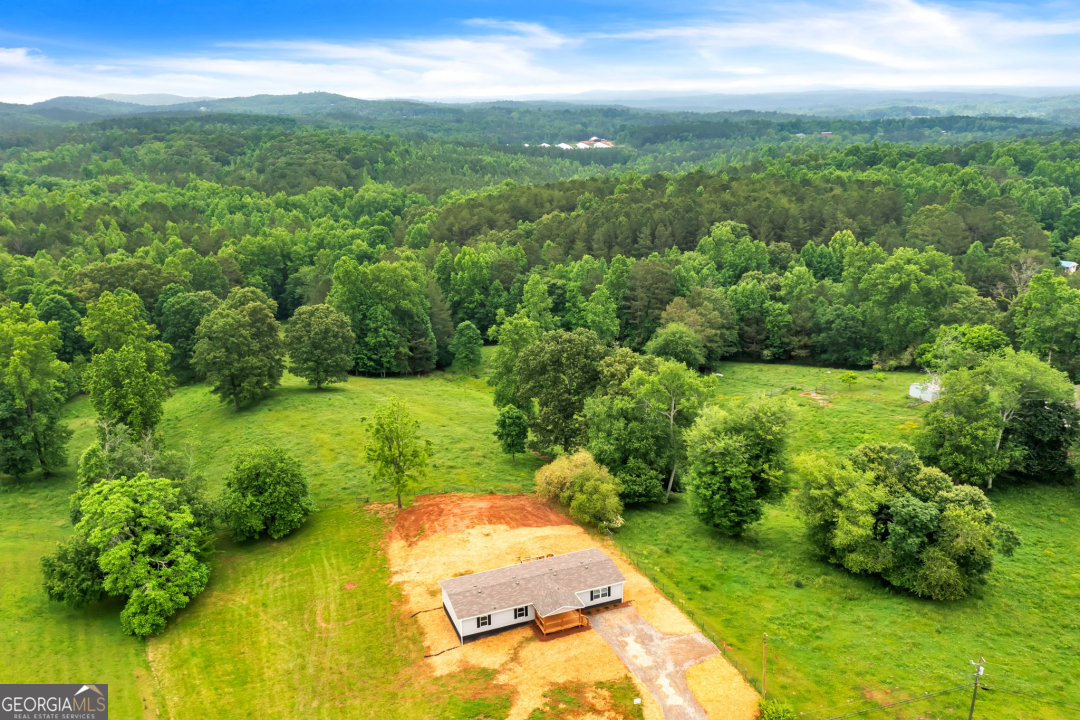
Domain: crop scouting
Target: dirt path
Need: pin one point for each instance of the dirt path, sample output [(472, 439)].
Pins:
[(659, 661)]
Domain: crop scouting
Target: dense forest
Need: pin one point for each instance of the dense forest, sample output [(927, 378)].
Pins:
[(845, 255)]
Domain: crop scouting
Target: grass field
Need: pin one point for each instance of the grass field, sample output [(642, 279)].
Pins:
[(277, 631), (840, 643), (252, 645)]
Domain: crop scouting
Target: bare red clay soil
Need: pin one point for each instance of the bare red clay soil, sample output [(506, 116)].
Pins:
[(438, 514)]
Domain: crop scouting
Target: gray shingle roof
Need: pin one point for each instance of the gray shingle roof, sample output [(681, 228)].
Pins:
[(548, 584)]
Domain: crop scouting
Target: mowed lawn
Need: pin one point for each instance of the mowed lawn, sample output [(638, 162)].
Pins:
[(840, 643), (276, 633)]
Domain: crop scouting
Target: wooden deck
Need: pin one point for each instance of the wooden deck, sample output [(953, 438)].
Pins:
[(562, 621)]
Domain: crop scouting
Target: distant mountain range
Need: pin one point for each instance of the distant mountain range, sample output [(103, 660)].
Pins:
[(1063, 109), (153, 98)]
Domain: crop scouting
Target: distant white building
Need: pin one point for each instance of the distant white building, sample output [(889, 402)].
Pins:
[(926, 391), (1069, 266), (564, 146)]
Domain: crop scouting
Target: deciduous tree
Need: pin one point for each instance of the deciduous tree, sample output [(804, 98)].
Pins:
[(466, 348), (736, 461), (239, 348), (320, 345), (560, 371), (512, 430), (395, 447), (148, 548)]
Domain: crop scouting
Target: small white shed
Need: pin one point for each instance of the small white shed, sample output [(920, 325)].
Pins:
[(925, 391), (551, 592)]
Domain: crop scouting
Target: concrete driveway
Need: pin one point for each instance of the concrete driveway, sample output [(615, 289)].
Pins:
[(658, 660)]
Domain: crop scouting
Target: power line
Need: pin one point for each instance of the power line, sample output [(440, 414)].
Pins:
[(899, 702), (1037, 697)]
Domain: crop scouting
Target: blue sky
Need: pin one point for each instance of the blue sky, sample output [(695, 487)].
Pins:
[(477, 50)]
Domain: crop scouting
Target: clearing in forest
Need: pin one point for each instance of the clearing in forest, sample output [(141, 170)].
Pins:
[(443, 536)]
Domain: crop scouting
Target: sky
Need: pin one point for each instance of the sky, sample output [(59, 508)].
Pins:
[(480, 49)]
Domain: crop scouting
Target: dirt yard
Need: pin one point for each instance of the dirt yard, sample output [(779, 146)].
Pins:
[(442, 536)]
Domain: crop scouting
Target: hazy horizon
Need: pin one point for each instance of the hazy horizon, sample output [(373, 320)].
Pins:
[(475, 51)]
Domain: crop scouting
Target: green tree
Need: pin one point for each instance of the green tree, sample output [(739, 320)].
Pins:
[(880, 511), (466, 348), (514, 334), (469, 286), (512, 430), (736, 461), (1042, 435), (178, 318), (72, 343), (395, 447), (601, 315), (72, 574), (239, 348), (30, 429), (130, 385), (712, 318), (677, 342), (674, 393), (320, 343), (961, 431), (387, 305), (1016, 378), (266, 491), (560, 371), (623, 435), (537, 303), (114, 320), (1047, 319), (148, 547), (962, 346)]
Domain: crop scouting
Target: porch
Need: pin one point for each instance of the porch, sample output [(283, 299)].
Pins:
[(561, 621)]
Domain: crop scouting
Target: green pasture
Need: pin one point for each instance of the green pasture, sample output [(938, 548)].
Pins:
[(308, 625), (840, 643), (276, 633)]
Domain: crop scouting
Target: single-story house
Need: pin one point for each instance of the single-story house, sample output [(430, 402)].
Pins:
[(1068, 266), (925, 391), (550, 591)]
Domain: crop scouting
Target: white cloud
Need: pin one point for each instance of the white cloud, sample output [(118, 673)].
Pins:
[(779, 46)]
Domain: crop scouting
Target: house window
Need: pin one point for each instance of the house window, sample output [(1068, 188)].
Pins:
[(521, 612), (483, 621), (600, 594)]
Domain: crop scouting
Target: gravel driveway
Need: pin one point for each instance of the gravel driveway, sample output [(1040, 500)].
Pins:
[(658, 660)]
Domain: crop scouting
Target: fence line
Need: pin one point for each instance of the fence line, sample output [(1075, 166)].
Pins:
[(707, 628)]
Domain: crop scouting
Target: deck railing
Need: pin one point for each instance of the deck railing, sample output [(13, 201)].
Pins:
[(562, 621)]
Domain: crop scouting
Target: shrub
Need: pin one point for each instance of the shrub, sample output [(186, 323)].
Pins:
[(586, 488), (775, 710), (266, 491)]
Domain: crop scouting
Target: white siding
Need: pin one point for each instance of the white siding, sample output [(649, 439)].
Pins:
[(616, 595), (450, 609), (499, 619)]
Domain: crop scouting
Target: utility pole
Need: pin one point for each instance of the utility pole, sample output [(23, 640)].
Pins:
[(764, 642), (975, 690)]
